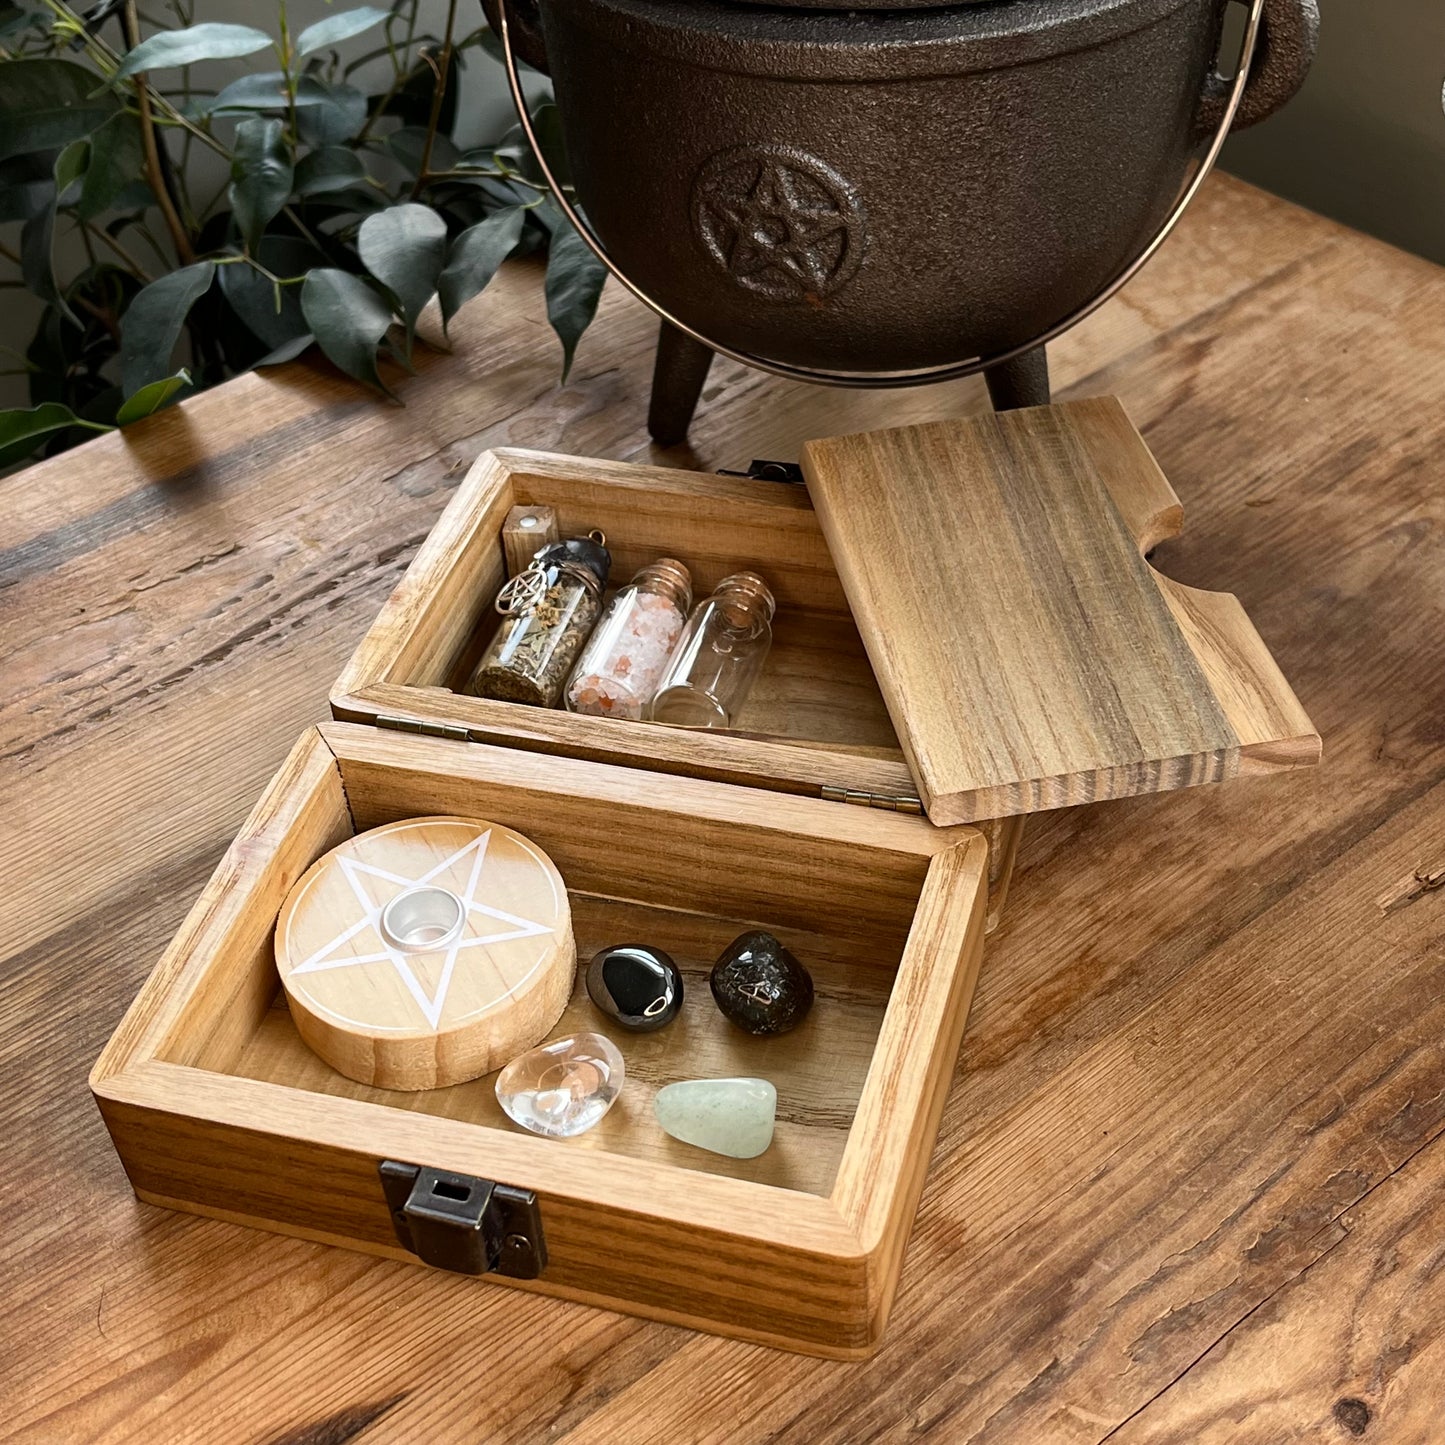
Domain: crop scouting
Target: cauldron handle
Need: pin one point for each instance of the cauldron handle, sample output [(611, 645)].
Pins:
[(1231, 108), (528, 36), (1289, 37)]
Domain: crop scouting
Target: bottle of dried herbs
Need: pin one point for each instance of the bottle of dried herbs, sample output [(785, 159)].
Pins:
[(548, 613)]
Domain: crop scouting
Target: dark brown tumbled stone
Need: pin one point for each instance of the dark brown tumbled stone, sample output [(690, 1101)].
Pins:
[(760, 986)]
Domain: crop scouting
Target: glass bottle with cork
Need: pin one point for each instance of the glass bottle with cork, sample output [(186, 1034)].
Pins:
[(624, 659), (548, 612), (718, 657)]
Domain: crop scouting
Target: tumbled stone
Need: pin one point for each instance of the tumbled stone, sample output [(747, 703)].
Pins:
[(724, 1116), (760, 986), (639, 987), (564, 1087)]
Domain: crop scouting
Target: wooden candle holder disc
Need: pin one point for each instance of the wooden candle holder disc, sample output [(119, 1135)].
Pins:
[(426, 952)]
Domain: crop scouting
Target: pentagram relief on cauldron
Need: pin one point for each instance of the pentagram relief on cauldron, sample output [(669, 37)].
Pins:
[(780, 222)]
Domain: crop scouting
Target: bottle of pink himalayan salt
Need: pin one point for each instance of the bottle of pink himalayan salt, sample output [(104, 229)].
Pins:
[(621, 665)]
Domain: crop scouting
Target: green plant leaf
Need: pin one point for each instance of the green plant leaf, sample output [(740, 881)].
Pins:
[(336, 28), (348, 319), (70, 167), (474, 257), (261, 175), (288, 350), (574, 285), (134, 196), (21, 430), (485, 38), (412, 104), (15, 19), (37, 237), (211, 41), (404, 247), (116, 159), (333, 113), (152, 324), (547, 125), (46, 104), (26, 184), (266, 90), (152, 397), (357, 201), (253, 298), (37, 266), (329, 168), (408, 144)]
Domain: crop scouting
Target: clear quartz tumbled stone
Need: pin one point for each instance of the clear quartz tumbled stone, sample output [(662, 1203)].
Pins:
[(564, 1087)]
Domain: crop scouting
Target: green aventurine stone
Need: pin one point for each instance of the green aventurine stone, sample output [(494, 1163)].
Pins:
[(726, 1116)]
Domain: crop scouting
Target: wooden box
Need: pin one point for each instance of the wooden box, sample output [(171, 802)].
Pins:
[(216, 1106), (1058, 668)]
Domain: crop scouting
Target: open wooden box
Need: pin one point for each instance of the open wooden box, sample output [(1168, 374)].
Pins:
[(216, 1106), (1061, 669)]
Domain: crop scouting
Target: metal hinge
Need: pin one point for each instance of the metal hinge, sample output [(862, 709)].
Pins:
[(761, 470), (889, 802), (464, 1224), (453, 731)]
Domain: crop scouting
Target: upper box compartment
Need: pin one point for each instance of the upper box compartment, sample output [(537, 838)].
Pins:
[(1028, 656), (815, 721)]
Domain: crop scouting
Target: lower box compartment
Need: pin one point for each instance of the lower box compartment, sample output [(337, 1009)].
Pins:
[(216, 1106)]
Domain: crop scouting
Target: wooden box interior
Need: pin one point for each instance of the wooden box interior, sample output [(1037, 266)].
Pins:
[(670, 887), (816, 717), (217, 1107)]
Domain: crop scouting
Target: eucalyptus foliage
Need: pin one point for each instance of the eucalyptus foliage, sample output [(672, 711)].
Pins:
[(343, 209)]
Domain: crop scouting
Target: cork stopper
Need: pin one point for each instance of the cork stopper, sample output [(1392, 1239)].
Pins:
[(669, 577), (747, 592)]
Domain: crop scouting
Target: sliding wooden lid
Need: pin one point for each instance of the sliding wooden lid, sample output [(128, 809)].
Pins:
[(1029, 656)]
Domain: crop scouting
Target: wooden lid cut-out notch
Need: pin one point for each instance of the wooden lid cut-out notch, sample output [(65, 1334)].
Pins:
[(1029, 656)]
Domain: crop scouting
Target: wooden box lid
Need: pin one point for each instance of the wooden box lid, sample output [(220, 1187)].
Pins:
[(1029, 656)]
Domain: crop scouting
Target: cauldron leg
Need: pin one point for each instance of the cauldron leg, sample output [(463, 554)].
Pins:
[(1024, 381), (677, 378)]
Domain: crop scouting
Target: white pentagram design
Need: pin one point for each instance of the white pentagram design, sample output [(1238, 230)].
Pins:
[(781, 222), (474, 934)]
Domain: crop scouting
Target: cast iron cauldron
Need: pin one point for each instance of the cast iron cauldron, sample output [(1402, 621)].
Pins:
[(890, 187)]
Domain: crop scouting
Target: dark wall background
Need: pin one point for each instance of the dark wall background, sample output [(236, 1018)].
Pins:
[(1364, 141)]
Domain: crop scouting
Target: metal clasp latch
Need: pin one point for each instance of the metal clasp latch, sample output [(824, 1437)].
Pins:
[(464, 1224)]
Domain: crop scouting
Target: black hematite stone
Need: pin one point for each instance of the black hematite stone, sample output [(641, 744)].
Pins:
[(638, 986), (760, 986)]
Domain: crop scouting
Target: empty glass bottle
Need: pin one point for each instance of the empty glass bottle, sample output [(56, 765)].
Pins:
[(548, 612), (718, 657), (623, 661)]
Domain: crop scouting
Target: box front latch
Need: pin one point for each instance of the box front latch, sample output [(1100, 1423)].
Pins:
[(465, 1224)]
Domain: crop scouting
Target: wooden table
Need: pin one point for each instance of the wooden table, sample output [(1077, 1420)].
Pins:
[(1190, 1185)]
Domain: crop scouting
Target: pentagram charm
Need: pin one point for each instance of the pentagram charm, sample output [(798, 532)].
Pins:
[(524, 591), (779, 221)]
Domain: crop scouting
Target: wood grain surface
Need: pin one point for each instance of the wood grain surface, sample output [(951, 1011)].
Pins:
[(1030, 657), (1187, 1179)]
